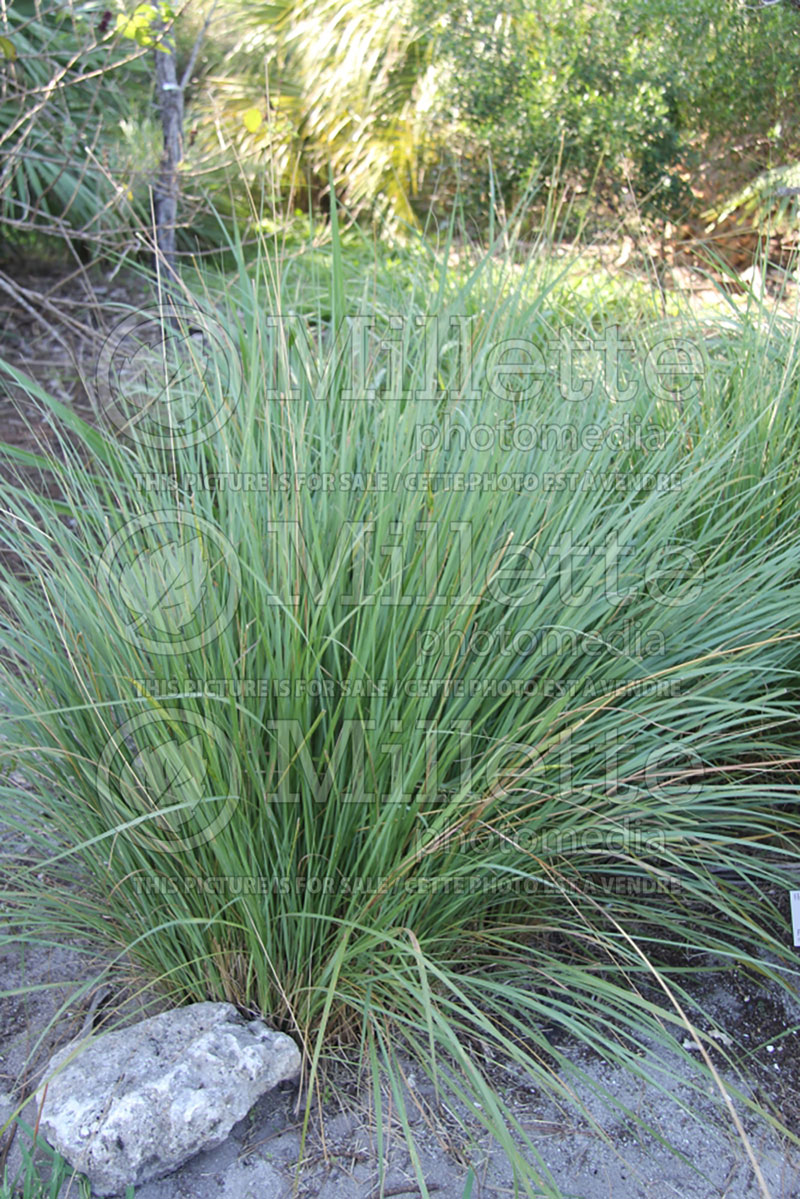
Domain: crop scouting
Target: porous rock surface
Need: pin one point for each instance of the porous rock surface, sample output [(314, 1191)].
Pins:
[(135, 1104)]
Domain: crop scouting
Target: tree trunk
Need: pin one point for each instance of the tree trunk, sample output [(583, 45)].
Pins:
[(165, 192)]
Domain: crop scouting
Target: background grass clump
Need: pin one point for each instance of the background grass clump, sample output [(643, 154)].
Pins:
[(418, 708)]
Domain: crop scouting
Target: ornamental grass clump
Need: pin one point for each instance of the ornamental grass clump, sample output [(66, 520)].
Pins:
[(417, 669)]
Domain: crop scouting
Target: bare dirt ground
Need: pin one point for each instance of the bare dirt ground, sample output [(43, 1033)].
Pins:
[(609, 1154), (51, 990)]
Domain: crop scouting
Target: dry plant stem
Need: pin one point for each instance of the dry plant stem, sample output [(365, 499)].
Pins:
[(19, 293)]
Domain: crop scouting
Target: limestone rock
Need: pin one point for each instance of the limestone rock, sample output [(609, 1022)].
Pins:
[(135, 1104)]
